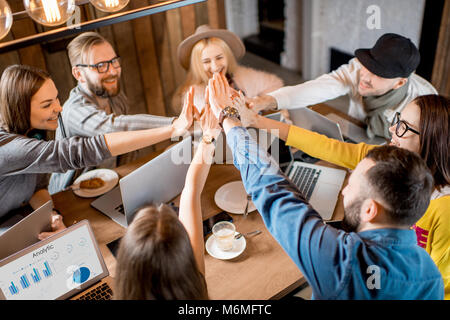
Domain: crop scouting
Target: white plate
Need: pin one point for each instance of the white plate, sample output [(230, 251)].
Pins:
[(109, 176), (231, 197), (215, 252)]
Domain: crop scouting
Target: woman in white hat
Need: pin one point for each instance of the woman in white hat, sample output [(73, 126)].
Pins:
[(217, 50)]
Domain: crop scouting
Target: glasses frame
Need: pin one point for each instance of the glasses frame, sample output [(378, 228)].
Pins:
[(396, 121), (96, 66)]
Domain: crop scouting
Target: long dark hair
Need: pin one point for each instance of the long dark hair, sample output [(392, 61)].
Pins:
[(18, 85), (434, 127), (155, 260)]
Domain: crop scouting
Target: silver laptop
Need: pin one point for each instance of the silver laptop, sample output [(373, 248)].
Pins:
[(25, 232), (352, 132), (158, 181), (62, 266), (314, 121), (319, 185), (331, 125)]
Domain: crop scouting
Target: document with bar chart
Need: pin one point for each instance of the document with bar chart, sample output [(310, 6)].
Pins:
[(51, 270)]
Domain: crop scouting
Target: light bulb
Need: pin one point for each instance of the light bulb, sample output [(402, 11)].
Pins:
[(50, 12), (109, 5), (6, 18)]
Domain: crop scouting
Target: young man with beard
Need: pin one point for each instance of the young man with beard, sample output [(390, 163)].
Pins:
[(376, 257), (378, 81), (97, 105)]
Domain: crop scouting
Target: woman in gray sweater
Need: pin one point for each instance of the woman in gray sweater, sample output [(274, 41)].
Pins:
[(29, 103)]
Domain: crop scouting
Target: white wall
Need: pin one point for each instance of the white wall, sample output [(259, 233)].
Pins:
[(345, 25), (291, 57), (242, 17)]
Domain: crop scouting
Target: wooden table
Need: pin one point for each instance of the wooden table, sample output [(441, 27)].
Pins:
[(263, 271)]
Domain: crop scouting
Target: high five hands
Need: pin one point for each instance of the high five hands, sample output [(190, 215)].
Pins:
[(184, 122), (218, 95), (208, 121), (222, 95)]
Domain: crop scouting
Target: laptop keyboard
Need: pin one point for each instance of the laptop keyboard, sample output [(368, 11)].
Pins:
[(305, 179), (120, 209), (102, 292)]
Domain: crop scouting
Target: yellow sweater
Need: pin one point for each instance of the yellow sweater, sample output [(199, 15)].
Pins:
[(432, 230)]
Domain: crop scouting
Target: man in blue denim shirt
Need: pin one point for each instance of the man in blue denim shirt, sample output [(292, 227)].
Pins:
[(387, 193)]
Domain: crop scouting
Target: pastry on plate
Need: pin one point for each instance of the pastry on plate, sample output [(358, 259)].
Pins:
[(93, 183)]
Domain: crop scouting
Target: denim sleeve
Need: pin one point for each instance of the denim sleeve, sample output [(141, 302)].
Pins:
[(319, 250)]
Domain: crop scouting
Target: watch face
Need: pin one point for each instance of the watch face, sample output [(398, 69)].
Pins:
[(207, 139), (228, 112)]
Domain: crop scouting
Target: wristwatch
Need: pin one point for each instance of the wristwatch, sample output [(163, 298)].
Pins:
[(228, 112), (208, 139)]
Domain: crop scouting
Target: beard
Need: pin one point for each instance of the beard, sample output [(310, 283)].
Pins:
[(100, 90), (352, 220)]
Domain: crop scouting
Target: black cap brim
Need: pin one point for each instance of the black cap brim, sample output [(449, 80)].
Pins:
[(373, 66)]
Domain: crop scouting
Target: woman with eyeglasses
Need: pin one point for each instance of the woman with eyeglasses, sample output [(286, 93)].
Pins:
[(423, 127), (29, 107)]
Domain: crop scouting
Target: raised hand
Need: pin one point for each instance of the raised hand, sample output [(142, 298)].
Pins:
[(264, 102), (219, 93), (248, 116), (184, 121), (208, 121)]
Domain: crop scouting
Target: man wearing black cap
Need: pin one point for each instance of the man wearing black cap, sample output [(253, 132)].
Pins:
[(379, 82)]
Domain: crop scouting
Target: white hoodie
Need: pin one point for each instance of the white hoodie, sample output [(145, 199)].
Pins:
[(344, 80)]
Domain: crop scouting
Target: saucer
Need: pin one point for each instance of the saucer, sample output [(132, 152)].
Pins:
[(232, 197), (215, 252), (109, 176)]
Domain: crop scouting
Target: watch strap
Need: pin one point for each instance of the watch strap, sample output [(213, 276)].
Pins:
[(228, 112), (208, 139)]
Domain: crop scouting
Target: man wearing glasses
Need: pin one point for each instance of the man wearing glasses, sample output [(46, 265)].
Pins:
[(379, 82), (97, 105)]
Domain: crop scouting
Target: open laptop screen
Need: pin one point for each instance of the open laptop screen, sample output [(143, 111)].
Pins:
[(55, 268), (314, 121), (25, 232)]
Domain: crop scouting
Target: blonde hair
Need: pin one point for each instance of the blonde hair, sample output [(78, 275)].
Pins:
[(197, 73), (80, 47)]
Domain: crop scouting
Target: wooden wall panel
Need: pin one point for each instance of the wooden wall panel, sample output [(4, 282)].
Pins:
[(131, 79), (201, 13), (146, 52), (441, 69), (188, 20), (175, 33), (216, 14), (107, 31), (21, 28), (165, 63), (9, 58), (58, 66), (148, 47)]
